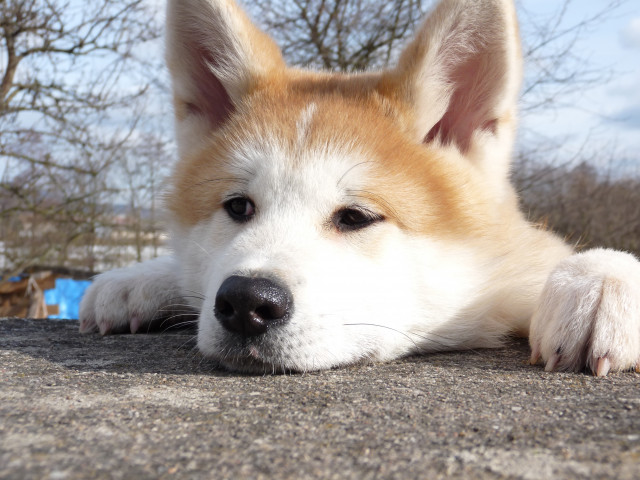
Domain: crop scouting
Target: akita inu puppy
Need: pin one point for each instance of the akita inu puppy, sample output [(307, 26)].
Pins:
[(320, 219)]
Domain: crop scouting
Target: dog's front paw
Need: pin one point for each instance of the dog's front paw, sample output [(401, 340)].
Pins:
[(589, 314), (128, 299)]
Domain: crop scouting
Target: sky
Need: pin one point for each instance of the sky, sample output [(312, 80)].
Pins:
[(604, 119)]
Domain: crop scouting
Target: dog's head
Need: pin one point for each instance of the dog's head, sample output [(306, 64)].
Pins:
[(329, 218)]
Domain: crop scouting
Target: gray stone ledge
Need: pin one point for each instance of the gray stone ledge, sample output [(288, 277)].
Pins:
[(149, 406)]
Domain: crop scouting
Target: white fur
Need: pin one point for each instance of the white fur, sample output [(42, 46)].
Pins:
[(348, 306), (383, 291), (590, 310), (131, 297)]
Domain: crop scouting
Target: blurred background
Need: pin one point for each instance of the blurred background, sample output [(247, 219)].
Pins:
[(86, 124)]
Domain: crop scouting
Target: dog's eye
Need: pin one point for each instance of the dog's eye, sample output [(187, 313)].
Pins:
[(349, 219), (240, 209)]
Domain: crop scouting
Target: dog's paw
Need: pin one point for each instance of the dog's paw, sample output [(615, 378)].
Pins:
[(129, 299), (589, 314)]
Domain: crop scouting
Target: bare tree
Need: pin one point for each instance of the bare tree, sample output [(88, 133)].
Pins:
[(142, 168), (553, 65), (71, 74), (589, 206), (343, 35)]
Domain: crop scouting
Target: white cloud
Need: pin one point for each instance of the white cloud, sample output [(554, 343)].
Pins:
[(628, 117), (630, 34)]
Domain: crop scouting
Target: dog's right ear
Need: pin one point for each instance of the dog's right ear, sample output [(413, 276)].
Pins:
[(215, 56)]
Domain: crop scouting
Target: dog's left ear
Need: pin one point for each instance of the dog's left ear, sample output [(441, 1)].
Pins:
[(461, 75)]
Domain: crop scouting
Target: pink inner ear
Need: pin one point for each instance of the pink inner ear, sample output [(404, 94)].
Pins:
[(212, 100), (471, 105)]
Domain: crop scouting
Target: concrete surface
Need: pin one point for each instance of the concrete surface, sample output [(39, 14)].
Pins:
[(148, 406)]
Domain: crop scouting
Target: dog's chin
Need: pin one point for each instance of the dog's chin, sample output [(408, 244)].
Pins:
[(251, 360), (254, 356), (268, 355)]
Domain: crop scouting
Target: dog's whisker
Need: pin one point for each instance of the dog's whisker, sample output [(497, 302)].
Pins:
[(194, 294), (350, 169), (181, 324), (172, 307), (222, 179), (241, 168), (194, 348), (202, 248), (405, 334), (194, 321)]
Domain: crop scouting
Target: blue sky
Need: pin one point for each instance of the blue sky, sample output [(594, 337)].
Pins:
[(605, 118)]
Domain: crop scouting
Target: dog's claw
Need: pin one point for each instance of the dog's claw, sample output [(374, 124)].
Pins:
[(602, 367), (105, 328), (135, 323), (88, 326), (535, 354), (552, 362)]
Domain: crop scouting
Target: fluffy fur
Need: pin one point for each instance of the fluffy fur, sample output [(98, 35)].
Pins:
[(443, 260)]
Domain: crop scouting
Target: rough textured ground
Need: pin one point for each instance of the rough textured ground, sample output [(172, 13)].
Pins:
[(148, 406)]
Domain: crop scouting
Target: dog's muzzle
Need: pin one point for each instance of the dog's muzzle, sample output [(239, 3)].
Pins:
[(249, 306)]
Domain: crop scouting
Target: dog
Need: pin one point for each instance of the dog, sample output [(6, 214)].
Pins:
[(322, 219)]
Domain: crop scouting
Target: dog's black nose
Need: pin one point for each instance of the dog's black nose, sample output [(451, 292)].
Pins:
[(249, 306)]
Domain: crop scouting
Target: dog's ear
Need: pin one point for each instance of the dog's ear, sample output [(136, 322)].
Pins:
[(215, 56), (461, 74)]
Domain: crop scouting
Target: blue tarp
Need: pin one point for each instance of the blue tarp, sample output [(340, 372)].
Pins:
[(67, 296)]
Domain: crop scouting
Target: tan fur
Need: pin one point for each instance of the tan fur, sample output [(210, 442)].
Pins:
[(409, 174)]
